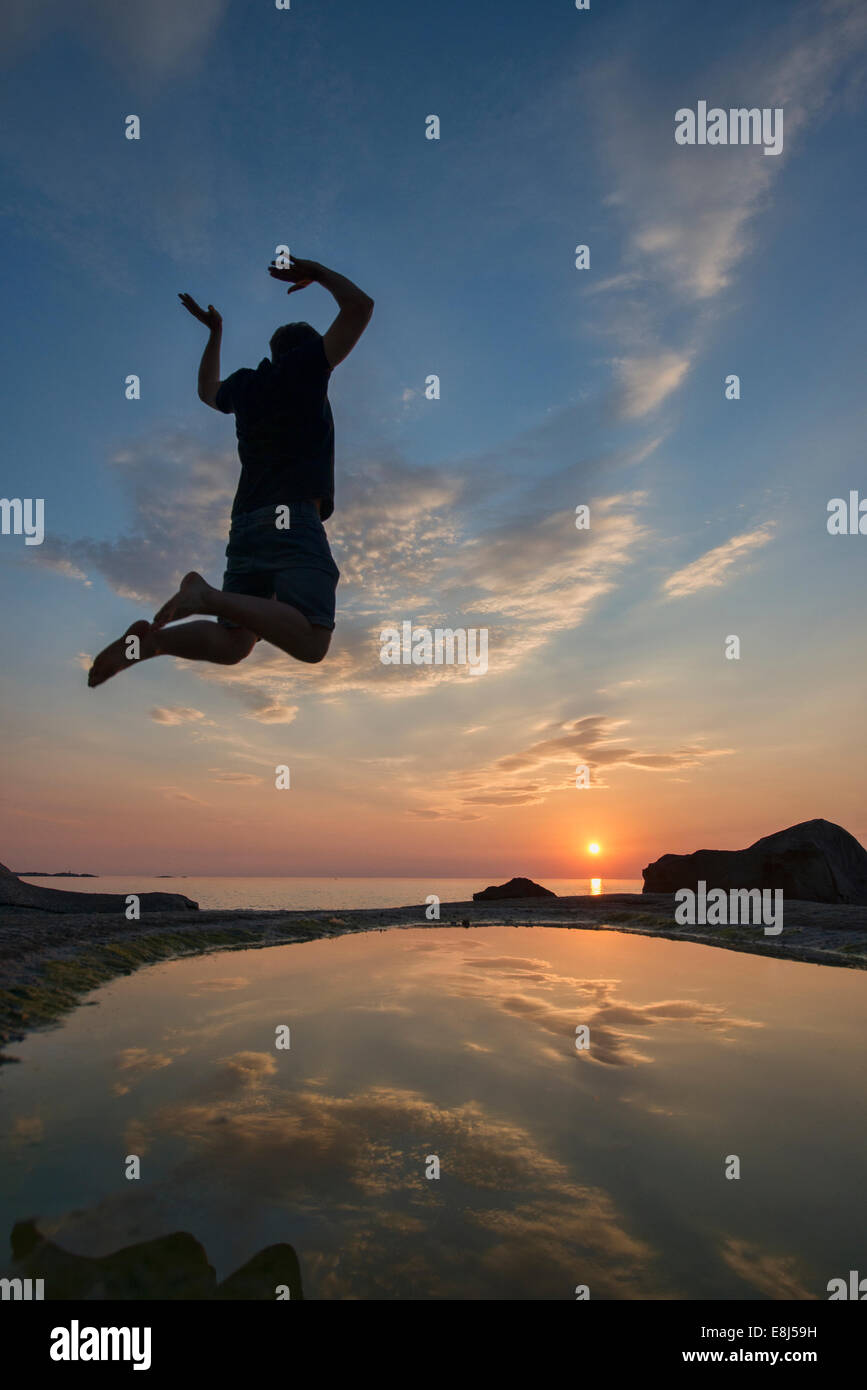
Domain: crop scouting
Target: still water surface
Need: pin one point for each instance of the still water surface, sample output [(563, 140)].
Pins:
[(557, 1168)]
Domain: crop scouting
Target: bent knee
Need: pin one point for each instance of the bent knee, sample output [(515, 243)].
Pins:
[(243, 643), (319, 644)]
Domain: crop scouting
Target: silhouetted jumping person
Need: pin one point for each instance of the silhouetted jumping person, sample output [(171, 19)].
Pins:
[(280, 578)]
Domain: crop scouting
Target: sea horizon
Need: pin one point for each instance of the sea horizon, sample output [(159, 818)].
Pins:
[(319, 892)]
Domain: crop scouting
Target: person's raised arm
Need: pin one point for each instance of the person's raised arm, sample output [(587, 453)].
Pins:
[(209, 367), (355, 307)]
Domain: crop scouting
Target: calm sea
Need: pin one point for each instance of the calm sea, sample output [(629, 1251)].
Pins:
[(322, 893)]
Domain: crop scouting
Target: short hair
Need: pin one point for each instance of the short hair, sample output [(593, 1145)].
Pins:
[(290, 336)]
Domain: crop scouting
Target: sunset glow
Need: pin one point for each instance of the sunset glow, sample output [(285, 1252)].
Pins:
[(611, 693)]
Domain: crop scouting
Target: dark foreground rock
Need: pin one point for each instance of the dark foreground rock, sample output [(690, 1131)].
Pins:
[(515, 888), (171, 1267), (14, 893), (816, 861)]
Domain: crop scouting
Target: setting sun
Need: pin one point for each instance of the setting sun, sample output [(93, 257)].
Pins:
[(594, 848)]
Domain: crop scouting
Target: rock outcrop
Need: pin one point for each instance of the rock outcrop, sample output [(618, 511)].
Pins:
[(515, 888), (815, 862), (15, 893), (170, 1267)]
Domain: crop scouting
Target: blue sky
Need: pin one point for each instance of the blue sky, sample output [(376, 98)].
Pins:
[(558, 387)]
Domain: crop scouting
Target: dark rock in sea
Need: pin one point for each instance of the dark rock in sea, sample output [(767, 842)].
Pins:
[(14, 893), (815, 862), (515, 888)]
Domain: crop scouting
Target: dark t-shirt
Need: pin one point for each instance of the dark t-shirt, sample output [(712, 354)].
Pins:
[(285, 429)]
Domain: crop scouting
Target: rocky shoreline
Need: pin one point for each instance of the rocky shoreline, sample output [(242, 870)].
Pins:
[(49, 962)]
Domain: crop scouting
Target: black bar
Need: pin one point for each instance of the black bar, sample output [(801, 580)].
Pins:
[(243, 1338)]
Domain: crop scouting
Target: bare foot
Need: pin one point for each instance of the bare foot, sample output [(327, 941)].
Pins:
[(115, 657), (191, 598)]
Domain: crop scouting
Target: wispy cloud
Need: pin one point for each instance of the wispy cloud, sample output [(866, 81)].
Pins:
[(526, 577), (648, 381), (774, 1276), (240, 778), (157, 37), (594, 741), (176, 794), (177, 714), (274, 714), (690, 215), (718, 566), (530, 989), (178, 498)]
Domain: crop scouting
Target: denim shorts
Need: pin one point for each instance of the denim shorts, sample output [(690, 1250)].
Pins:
[(294, 565)]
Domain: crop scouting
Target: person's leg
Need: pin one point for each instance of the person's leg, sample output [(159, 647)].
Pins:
[(203, 641), (269, 618), (200, 641)]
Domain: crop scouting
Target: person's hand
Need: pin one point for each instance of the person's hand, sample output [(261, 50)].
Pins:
[(301, 273), (209, 317)]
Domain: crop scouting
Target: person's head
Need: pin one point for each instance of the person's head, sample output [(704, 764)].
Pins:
[(290, 336)]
